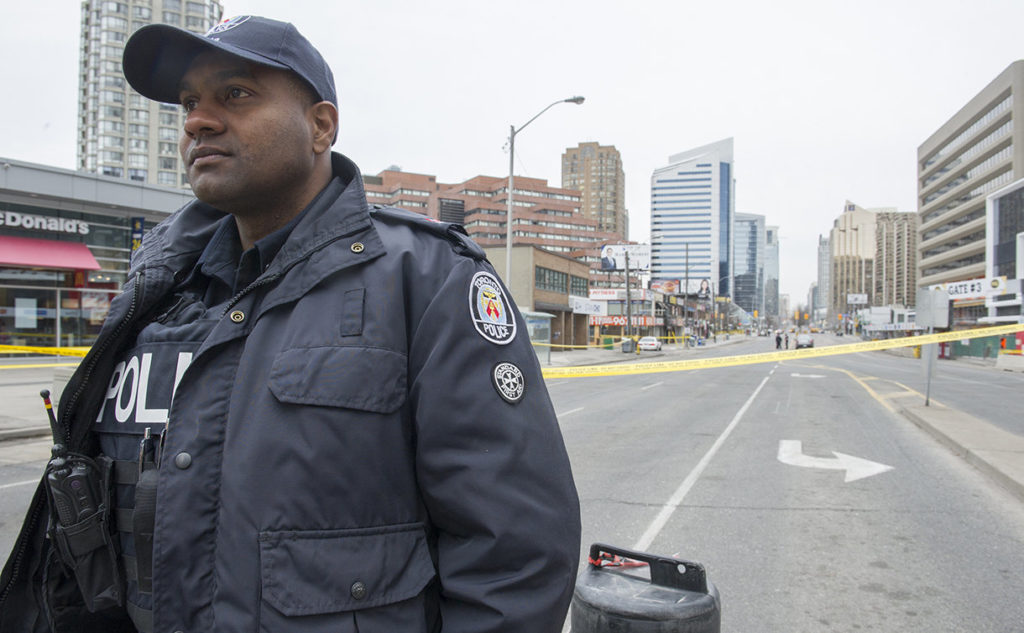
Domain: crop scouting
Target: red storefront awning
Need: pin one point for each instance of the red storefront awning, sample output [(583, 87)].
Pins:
[(25, 252)]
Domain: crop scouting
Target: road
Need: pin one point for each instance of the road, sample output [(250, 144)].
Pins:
[(930, 545), (688, 464)]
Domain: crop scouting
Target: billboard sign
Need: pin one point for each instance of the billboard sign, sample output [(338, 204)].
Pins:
[(638, 320), (857, 299), (583, 305), (613, 257), (666, 286)]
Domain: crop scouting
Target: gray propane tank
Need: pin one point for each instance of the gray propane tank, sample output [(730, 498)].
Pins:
[(677, 598)]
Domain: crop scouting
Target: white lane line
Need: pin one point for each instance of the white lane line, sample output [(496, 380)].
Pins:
[(677, 497), (651, 386), (19, 483), (569, 412)]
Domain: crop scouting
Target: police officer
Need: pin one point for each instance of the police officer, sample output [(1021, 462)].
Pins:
[(317, 415)]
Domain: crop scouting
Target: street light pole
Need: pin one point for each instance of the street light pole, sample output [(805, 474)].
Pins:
[(511, 184)]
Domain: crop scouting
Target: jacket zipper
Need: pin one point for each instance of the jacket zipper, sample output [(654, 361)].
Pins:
[(128, 317), (34, 516)]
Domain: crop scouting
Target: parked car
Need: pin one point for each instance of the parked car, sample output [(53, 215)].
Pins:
[(804, 340), (649, 343)]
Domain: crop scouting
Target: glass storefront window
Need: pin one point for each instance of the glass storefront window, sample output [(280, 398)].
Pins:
[(51, 317)]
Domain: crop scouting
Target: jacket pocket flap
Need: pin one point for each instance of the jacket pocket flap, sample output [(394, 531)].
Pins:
[(319, 572), (365, 378)]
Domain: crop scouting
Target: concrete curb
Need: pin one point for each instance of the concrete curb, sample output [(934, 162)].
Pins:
[(24, 433), (995, 452)]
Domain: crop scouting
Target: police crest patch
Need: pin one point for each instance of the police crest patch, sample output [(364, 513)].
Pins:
[(490, 310), (509, 382)]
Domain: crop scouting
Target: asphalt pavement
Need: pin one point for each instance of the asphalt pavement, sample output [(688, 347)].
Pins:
[(995, 451)]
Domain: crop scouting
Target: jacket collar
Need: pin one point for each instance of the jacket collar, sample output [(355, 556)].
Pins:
[(177, 242)]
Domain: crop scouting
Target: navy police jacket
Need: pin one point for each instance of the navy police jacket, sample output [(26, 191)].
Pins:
[(362, 442)]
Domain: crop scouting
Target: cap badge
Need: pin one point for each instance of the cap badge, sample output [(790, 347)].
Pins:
[(227, 25), (490, 310)]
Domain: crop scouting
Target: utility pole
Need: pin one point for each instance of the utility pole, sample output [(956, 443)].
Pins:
[(686, 291), (629, 304)]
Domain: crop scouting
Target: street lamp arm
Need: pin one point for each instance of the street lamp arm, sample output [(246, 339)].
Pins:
[(576, 100)]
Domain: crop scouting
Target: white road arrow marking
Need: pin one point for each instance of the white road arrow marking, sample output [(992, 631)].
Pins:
[(807, 375), (792, 452)]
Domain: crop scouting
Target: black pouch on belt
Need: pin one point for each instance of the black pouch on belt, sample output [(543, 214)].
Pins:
[(144, 517), (78, 489)]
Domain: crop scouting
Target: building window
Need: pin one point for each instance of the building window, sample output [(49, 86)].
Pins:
[(166, 178), (137, 174), (168, 148), (110, 22), (579, 286), (111, 96), (552, 280), (137, 160), (168, 163), (166, 118), (138, 144)]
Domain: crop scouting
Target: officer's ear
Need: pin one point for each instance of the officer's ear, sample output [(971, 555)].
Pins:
[(324, 117)]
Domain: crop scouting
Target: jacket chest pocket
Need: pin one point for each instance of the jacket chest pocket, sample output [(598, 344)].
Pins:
[(365, 378), (342, 581)]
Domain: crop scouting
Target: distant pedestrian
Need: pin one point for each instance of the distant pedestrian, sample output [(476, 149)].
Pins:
[(787, 340), (778, 340)]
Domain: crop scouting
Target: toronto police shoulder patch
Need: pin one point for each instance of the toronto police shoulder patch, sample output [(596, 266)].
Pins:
[(490, 310), (509, 381)]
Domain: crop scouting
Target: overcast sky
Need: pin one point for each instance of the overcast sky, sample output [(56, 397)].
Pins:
[(826, 101)]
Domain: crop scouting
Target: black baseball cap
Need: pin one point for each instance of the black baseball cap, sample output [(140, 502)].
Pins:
[(157, 56)]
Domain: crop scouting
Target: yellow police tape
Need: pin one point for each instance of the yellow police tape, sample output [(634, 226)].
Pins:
[(582, 371), (49, 351), (770, 357)]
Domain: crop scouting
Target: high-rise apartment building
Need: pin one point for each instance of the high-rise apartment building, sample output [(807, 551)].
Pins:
[(824, 275), (895, 272), (873, 255), (596, 171), (692, 209), (120, 132), (979, 150), (852, 240), (748, 266), (771, 271)]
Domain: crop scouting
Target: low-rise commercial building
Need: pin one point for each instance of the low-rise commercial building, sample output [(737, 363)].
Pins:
[(65, 242)]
